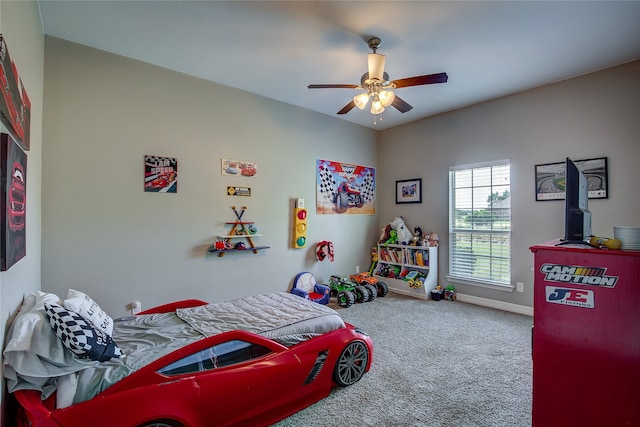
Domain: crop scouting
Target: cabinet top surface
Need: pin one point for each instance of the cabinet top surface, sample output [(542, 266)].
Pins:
[(554, 245)]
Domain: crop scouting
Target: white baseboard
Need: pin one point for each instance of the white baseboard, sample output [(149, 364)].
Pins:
[(500, 305), (409, 293)]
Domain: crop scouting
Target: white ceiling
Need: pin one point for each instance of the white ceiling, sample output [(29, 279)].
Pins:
[(276, 48)]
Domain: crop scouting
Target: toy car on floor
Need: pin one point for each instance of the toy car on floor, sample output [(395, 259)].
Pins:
[(368, 281), (347, 292), (231, 378)]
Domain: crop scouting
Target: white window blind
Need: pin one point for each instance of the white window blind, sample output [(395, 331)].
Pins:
[(480, 223)]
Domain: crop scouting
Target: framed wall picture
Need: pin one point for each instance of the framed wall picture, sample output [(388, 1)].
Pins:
[(160, 174), (550, 179), (15, 106), (409, 191), (345, 188), (14, 202)]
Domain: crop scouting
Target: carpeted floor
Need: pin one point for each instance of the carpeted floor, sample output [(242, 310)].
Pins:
[(436, 363)]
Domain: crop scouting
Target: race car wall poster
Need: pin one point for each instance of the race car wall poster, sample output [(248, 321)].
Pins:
[(14, 201), (15, 107), (160, 174), (345, 188)]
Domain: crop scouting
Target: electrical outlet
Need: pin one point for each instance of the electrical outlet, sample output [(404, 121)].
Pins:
[(520, 287), (357, 269), (136, 307)]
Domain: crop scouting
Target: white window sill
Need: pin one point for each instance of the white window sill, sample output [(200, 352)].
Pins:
[(481, 284)]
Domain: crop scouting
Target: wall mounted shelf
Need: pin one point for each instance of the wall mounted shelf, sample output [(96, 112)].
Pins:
[(239, 230)]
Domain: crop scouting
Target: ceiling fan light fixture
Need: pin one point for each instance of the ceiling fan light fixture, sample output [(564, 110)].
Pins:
[(386, 97), (361, 100), (376, 66), (376, 106)]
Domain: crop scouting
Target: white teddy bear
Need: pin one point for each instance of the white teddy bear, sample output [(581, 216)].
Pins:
[(404, 235)]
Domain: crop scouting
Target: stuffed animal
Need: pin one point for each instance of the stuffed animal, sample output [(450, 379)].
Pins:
[(404, 235), (393, 238), (417, 236), (384, 236)]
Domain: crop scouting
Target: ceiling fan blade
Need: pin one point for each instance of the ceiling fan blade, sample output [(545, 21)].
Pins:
[(401, 105), (347, 108), (421, 80), (331, 86)]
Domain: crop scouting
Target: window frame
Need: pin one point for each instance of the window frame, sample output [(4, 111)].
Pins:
[(491, 233)]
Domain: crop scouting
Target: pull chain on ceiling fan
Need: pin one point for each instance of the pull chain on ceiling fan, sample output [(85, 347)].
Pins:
[(378, 87)]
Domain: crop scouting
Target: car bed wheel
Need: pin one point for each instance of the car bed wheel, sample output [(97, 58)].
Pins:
[(351, 364)]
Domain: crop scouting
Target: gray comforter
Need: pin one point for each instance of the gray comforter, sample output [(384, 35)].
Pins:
[(39, 362)]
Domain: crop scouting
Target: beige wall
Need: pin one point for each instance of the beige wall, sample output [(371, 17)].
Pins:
[(590, 116), (105, 236), (20, 25), (101, 233)]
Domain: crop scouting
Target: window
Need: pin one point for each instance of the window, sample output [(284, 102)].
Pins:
[(224, 354), (480, 223)]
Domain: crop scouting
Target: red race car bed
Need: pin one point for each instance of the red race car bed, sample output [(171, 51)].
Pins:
[(251, 361)]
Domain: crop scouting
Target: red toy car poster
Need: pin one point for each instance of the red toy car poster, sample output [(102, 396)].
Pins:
[(15, 107), (239, 167), (345, 188), (160, 174), (14, 202)]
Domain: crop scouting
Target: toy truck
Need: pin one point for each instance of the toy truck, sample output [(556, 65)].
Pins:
[(375, 286), (348, 292)]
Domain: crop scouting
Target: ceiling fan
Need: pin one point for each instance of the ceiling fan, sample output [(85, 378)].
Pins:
[(377, 85)]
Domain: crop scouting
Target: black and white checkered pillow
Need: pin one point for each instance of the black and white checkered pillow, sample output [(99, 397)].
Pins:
[(80, 336)]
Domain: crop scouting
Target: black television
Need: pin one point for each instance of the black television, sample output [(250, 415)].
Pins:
[(577, 217)]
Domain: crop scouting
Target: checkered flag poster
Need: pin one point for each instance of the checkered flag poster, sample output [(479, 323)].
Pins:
[(160, 174), (345, 188)]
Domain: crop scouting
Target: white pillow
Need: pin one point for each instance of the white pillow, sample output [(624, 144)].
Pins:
[(89, 309)]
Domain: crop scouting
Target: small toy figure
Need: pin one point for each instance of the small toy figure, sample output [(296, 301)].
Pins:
[(450, 293), (417, 236), (393, 238), (374, 259)]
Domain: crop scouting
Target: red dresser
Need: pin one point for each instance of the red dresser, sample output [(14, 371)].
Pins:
[(586, 336)]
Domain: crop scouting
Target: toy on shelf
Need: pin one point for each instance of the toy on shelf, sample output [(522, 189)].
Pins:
[(417, 236), (386, 234), (374, 260), (404, 235), (393, 238), (239, 229), (430, 239)]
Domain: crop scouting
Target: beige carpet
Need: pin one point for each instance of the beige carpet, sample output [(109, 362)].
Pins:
[(436, 363)]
